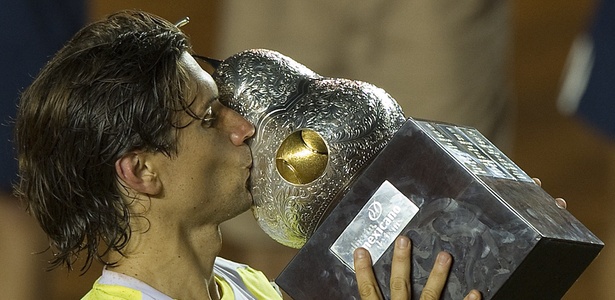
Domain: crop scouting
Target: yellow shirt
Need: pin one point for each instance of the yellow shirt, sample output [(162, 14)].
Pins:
[(235, 281)]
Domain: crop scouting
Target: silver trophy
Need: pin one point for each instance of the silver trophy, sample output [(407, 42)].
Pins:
[(313, 136), (337, 165)]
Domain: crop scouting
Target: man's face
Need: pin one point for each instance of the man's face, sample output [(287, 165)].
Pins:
[(208, 176)]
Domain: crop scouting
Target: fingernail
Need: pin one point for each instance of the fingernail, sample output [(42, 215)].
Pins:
[(472, 296), (403, 242), (560, 203), (443, 258), (360, 253)]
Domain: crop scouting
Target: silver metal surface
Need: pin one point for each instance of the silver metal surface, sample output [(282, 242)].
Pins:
[(313, 136)]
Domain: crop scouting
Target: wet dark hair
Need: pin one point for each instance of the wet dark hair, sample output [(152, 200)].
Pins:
[(116, 86)]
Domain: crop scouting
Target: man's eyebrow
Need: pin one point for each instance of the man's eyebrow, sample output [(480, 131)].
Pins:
[(207, 103), (193, 108)]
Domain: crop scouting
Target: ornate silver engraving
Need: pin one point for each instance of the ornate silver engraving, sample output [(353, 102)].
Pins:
[(280, 96)]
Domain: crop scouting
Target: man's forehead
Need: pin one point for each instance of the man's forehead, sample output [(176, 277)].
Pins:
[(201, 89)]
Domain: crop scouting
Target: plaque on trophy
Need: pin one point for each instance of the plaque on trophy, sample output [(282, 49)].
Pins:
[(338, 166)]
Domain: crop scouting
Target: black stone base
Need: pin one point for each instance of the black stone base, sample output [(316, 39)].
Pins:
[(452, 190)]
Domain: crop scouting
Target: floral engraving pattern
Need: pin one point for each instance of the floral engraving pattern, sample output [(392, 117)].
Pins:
[(280, 96)]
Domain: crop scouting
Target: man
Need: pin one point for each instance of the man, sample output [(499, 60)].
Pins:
[(126, 154)]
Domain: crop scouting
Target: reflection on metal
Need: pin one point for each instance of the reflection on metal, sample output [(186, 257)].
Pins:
[(313, 135)]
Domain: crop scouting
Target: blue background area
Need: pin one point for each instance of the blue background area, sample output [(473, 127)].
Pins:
[(30, 33), (597, 105)]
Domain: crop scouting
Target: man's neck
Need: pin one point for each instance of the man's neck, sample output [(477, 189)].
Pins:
[(174, 260)]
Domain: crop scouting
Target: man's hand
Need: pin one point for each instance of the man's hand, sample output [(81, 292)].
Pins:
[(400, 274)]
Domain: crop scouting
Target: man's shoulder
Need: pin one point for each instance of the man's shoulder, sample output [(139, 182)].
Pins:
[(116, 286)]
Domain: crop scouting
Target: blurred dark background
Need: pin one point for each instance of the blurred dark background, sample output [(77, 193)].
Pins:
[(571, 158)]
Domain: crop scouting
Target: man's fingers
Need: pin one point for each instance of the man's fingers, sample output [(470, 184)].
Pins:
[(400, 274), (366, 281), (437, 277), (400, 269), (473, 295)]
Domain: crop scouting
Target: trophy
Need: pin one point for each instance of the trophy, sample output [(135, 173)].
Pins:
[(337, 165)]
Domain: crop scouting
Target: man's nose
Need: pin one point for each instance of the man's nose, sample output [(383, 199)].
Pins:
[(239, 128)]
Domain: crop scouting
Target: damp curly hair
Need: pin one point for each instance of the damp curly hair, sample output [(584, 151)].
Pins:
[(116, 86)]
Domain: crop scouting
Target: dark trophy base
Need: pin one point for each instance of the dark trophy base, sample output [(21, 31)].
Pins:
[(447, 188)]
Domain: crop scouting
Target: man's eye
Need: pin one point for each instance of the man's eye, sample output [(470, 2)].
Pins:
[(209, 118)]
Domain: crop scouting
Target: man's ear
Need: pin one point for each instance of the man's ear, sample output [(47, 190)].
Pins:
[(135, 171)]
